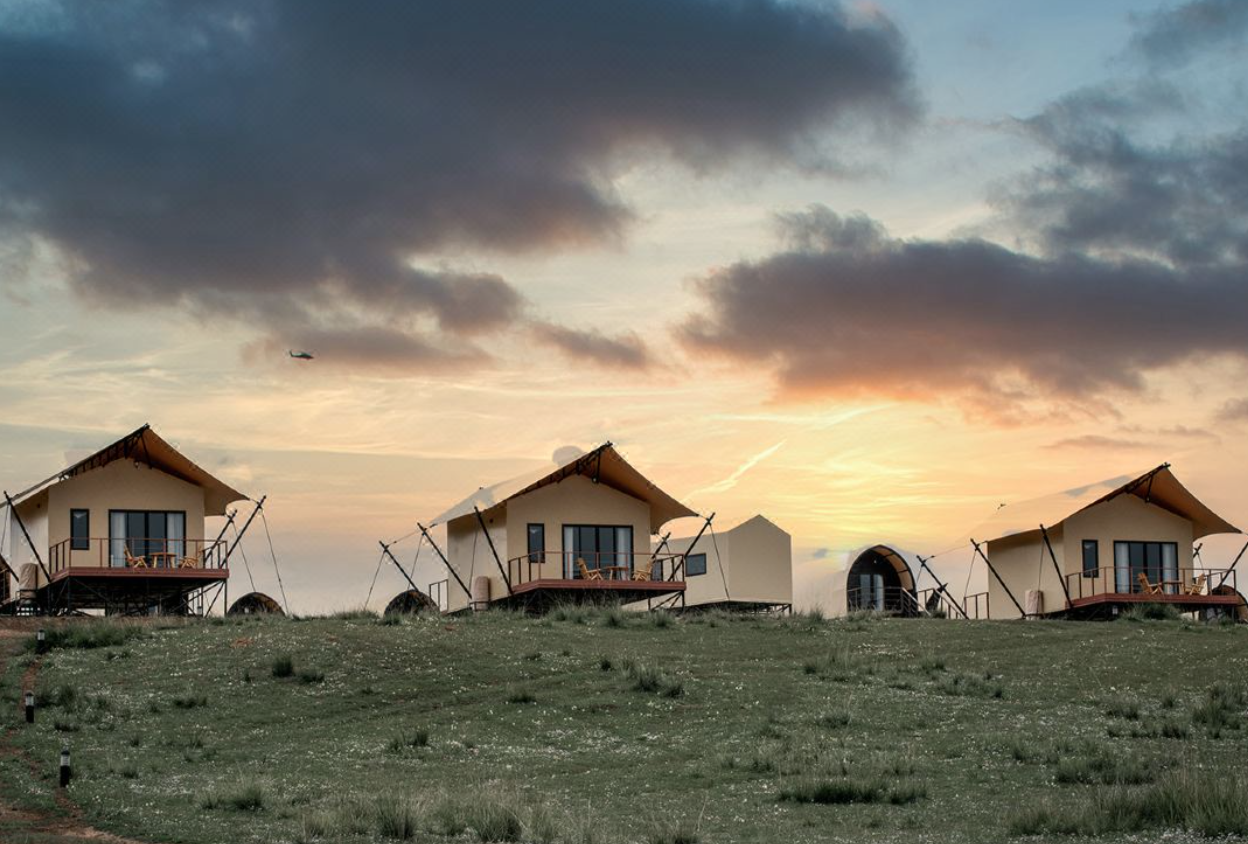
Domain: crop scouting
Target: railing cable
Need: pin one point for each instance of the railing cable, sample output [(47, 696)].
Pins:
[(265, 522)]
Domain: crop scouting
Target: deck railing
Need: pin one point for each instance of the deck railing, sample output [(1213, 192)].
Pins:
[(137, 554), (609, 566), (1186, 583), (938, 601), (891, 599), (976, 606)]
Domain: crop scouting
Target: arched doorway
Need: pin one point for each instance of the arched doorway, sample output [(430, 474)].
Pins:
[(879, 579)]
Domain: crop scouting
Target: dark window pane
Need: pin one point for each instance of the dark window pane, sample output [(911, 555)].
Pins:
[(695, 564), (1091, 558), (537, 542), (157, 532), (587, 545), (136, 534), (80, 530)]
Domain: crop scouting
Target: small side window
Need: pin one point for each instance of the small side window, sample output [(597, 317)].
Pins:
[(1091, 558), (695, 564), (80, 530)]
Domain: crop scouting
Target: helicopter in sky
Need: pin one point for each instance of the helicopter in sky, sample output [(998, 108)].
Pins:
[(300, 355)]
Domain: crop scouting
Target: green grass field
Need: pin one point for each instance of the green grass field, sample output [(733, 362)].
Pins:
[(610, 727)]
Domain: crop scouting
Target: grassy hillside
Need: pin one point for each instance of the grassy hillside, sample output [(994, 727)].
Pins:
[(603, 726)]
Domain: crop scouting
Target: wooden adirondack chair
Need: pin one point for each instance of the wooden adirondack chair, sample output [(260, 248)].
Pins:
[(132, 561), (1147, 587), (643, 571), (1197, 586), (586, 572)]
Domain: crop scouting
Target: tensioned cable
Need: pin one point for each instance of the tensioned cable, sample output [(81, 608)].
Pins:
[(719, 562), (273, 554), (246, 565), (380, 560)]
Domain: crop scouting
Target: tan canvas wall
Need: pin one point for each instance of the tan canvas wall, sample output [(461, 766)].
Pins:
[(34, 514), (1025, 564), (757, 562), (121, 485), (574, 501)]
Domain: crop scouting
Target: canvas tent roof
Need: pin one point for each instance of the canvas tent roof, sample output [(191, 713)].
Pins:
[(604, 464), (904, 563), (145, 446), (1157, 486)]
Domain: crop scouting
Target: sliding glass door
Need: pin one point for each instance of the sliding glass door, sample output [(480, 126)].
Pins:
[(1156, 561), (156, 537), (605, 547)]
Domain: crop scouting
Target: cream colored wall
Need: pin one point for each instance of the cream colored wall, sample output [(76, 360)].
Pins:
[(756, 558), (34, 515), (761, 566), (573, 501), (120, 485), (1125, 518)]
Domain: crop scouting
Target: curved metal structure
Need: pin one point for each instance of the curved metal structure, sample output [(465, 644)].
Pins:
[(255, 603)]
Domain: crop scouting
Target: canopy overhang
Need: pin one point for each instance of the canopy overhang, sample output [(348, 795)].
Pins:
[(145, 446), (1158, 487), (603, 465)]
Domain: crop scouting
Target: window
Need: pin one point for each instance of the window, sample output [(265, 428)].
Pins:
[(79, 530), (1091, 558), (600, 546), (158, 537), (695, 564), (1157, 561), (537, 543)]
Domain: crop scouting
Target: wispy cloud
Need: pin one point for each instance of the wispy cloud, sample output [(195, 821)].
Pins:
[(738, 473)]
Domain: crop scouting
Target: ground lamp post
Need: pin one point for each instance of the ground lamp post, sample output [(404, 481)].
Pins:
[(30, 707), (66, 772), (41, 642)]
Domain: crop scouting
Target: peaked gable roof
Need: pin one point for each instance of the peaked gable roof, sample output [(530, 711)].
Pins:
[(603, 465), (145, 446), (1158, 487)]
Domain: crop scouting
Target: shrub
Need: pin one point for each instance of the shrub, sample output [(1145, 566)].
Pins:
[(308, 676), (835, 720), (521, 696), (189, 702), (842, 791), (1212, 805), (284, 666), (1151, 612), (88, 634), (649, 679), (971, 685), (416, 738), (1123, 708), (1221, 709), (249, 797)]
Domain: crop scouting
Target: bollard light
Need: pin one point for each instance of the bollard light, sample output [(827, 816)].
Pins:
[(30, 707), (65, 769), (40, 641)]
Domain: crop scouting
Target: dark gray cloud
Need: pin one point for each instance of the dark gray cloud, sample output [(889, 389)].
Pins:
[(1182, 201), (1173, 35), (624, 351), (848, 310), (239, 155)]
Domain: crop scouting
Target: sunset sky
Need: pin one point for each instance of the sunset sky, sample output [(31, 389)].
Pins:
[(870, 269)]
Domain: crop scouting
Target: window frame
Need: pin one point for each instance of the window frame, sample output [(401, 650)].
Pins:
[(538, 556), (76, 542), (1095, 546)]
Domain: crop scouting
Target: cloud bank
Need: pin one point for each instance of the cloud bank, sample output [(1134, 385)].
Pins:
[(289, 161)]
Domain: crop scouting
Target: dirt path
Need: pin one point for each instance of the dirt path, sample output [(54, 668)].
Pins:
[(25, 825)]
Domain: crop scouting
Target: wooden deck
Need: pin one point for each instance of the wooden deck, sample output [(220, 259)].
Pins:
[(544, 593), (1185, 603), (132, 574)]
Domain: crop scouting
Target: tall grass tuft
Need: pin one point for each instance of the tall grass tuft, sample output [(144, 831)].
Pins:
[(283, 666), (248, 797), (88, 634)]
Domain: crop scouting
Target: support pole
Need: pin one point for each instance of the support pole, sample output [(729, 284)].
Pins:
[(1060, 578), (246, 524), (658, 549), (501, 568), (1022, 612), (385, 549), (445, 561), (229, 520), (942, 588), (1226, 574), (693, 545)]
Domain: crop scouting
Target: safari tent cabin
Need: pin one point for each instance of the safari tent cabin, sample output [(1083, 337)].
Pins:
[(1103, 551), (121, 531), (580, 533), (746, 568)]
